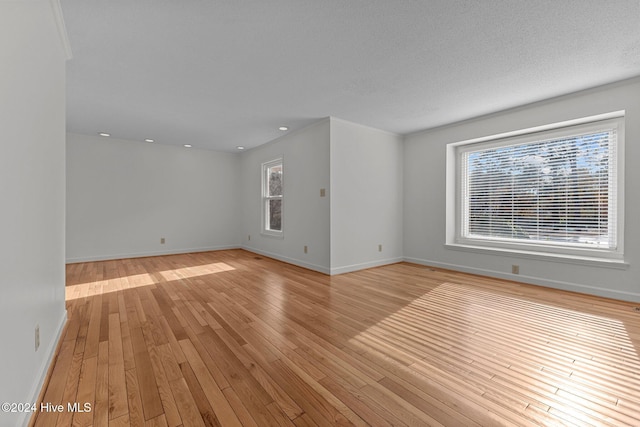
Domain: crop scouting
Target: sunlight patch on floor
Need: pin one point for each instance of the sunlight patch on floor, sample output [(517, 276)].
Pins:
[(200, 270), (460, 333), (100, 287)]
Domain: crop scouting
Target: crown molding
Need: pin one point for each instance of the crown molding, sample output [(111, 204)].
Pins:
[(56, 9)]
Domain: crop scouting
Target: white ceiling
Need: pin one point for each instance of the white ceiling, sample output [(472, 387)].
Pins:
[(223, 73)]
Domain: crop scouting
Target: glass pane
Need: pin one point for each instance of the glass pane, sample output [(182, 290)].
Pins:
[(547, 191), (274, 175), (274, 215)]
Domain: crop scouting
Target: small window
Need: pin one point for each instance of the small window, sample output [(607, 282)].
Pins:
[(272, 197), (552, 191)]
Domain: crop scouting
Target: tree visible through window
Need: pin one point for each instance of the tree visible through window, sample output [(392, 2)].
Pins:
[(555, 190), (272, 195)]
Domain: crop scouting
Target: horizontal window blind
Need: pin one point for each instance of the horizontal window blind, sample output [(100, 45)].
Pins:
[(556, 191)]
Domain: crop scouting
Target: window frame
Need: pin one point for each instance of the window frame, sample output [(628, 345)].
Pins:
[(266, 198), (455, 203)]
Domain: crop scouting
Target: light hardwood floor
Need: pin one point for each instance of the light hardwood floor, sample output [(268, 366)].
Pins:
[(230, 338)]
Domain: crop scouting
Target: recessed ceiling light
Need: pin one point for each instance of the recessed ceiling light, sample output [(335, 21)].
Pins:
[(187, 145), (149, 140), (283, 128), (240, 147), (104, 134)]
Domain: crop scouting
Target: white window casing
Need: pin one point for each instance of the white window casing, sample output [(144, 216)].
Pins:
[(273, 198), (555, 190)]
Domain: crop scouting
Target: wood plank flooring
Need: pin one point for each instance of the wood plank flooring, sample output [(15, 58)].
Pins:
[(228, 338)]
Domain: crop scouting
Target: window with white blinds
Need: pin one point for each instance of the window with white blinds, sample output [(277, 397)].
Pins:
[(555, 190)]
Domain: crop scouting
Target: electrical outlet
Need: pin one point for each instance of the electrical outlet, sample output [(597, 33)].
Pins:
[(305, 249), (162, 240), (515, 269), (323, 192), (249, 237), (37, 337), (379, 248)]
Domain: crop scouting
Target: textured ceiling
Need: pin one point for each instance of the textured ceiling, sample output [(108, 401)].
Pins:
[(218, 74)]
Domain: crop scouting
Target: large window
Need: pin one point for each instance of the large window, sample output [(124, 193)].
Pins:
[(272, 197), (551, 191)]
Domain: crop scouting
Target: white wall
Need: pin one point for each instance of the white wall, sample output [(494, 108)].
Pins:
[(123, 196), (424, 195), (366, 197), (32, 191), (305, 213)]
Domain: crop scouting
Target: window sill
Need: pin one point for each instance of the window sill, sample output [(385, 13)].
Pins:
[(617, 264), (272, 234)]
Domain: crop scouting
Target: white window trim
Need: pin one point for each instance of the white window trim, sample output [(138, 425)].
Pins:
[(607, 258), (264, 198)]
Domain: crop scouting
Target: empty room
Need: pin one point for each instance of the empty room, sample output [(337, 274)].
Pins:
[(318, 213)]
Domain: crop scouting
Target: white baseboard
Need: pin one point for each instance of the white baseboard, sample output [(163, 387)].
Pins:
[(36, 388), (150, 253), (294, 261), (321, 268), (364, 265), (556, 284)]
